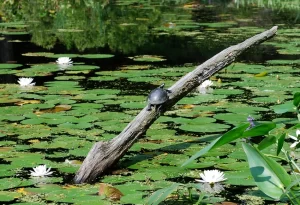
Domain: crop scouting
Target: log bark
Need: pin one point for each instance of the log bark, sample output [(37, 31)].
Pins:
[(106, 153)]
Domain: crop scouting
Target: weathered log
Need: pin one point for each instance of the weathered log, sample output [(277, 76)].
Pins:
[(106, 153)]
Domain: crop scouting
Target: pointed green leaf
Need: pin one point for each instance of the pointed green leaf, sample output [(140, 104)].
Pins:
[(280, 143), (162, 194), (266, 142), (283, 108), (296, 100), (229, 136), (269, 176), (259, 130)]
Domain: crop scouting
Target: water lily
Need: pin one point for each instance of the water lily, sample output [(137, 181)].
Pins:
[(206, 84), (211, 176), (64, 61), (297, 141), (205, 87), (41, 171), (26, 81)]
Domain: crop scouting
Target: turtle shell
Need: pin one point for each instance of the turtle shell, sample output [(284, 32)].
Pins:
[(158, 96)]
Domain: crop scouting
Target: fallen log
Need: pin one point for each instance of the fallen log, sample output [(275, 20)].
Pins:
[(106, 153)]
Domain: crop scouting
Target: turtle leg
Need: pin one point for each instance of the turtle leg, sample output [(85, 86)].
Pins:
[(149, 107), (159, 108)]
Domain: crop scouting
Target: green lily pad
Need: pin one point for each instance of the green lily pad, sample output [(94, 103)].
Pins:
[(96, 56), (205, 128)]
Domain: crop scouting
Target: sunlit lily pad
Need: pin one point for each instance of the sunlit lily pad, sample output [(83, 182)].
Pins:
[(148, 58), (37, 54), (96, 56), (9, 66)]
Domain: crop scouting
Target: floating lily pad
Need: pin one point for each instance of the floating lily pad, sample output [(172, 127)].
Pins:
[(9, 196), (148, 58), (206, 128), (68, 77), (96, 56), (9, 66), (37, 54)]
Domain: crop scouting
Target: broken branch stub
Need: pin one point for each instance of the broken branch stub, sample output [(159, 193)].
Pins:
[(106, 153)]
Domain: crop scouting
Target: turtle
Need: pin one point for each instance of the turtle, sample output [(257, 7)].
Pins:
[(157, 97)]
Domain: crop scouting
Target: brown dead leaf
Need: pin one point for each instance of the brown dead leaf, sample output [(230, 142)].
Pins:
[(188, 106), (23, 191), (57, 108), (34, 141), (110, 192), (69, 186), (5, 149), (24, 102), (226, 203)]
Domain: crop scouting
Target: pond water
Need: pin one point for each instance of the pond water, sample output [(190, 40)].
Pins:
[(121, 51)]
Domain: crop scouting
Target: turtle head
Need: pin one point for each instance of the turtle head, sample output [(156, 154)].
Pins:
[(162, 85)]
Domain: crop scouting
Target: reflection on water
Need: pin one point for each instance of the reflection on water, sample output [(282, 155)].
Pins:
[(130, 28)]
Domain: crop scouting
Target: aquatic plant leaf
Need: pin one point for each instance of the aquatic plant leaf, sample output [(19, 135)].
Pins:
[(134, 198), (63, 55), (226, 138), (270, 177), (9, 66), (110, 192), (296, 100), (7, 196), (69, 77), (259, 130), (283, 108), (57, 108), (8, 183), (103, 78), (227, 92), (84, 67), (148, 58), (195, 121), (231, 166), (262, 74), (280, 143), (37, 54), (240, 178), (219, 24), (266, 142), (235, 117), (96, 56), (205, 128), (161, 194), (246, 109)]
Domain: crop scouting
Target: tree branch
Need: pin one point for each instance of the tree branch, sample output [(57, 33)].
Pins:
[(106, 153)]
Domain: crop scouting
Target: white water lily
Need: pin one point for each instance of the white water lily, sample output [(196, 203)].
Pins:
[(205, 87), (206, 84), (26, 81), (64, 61), (295, 138), (41, 171), (211, 176)]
